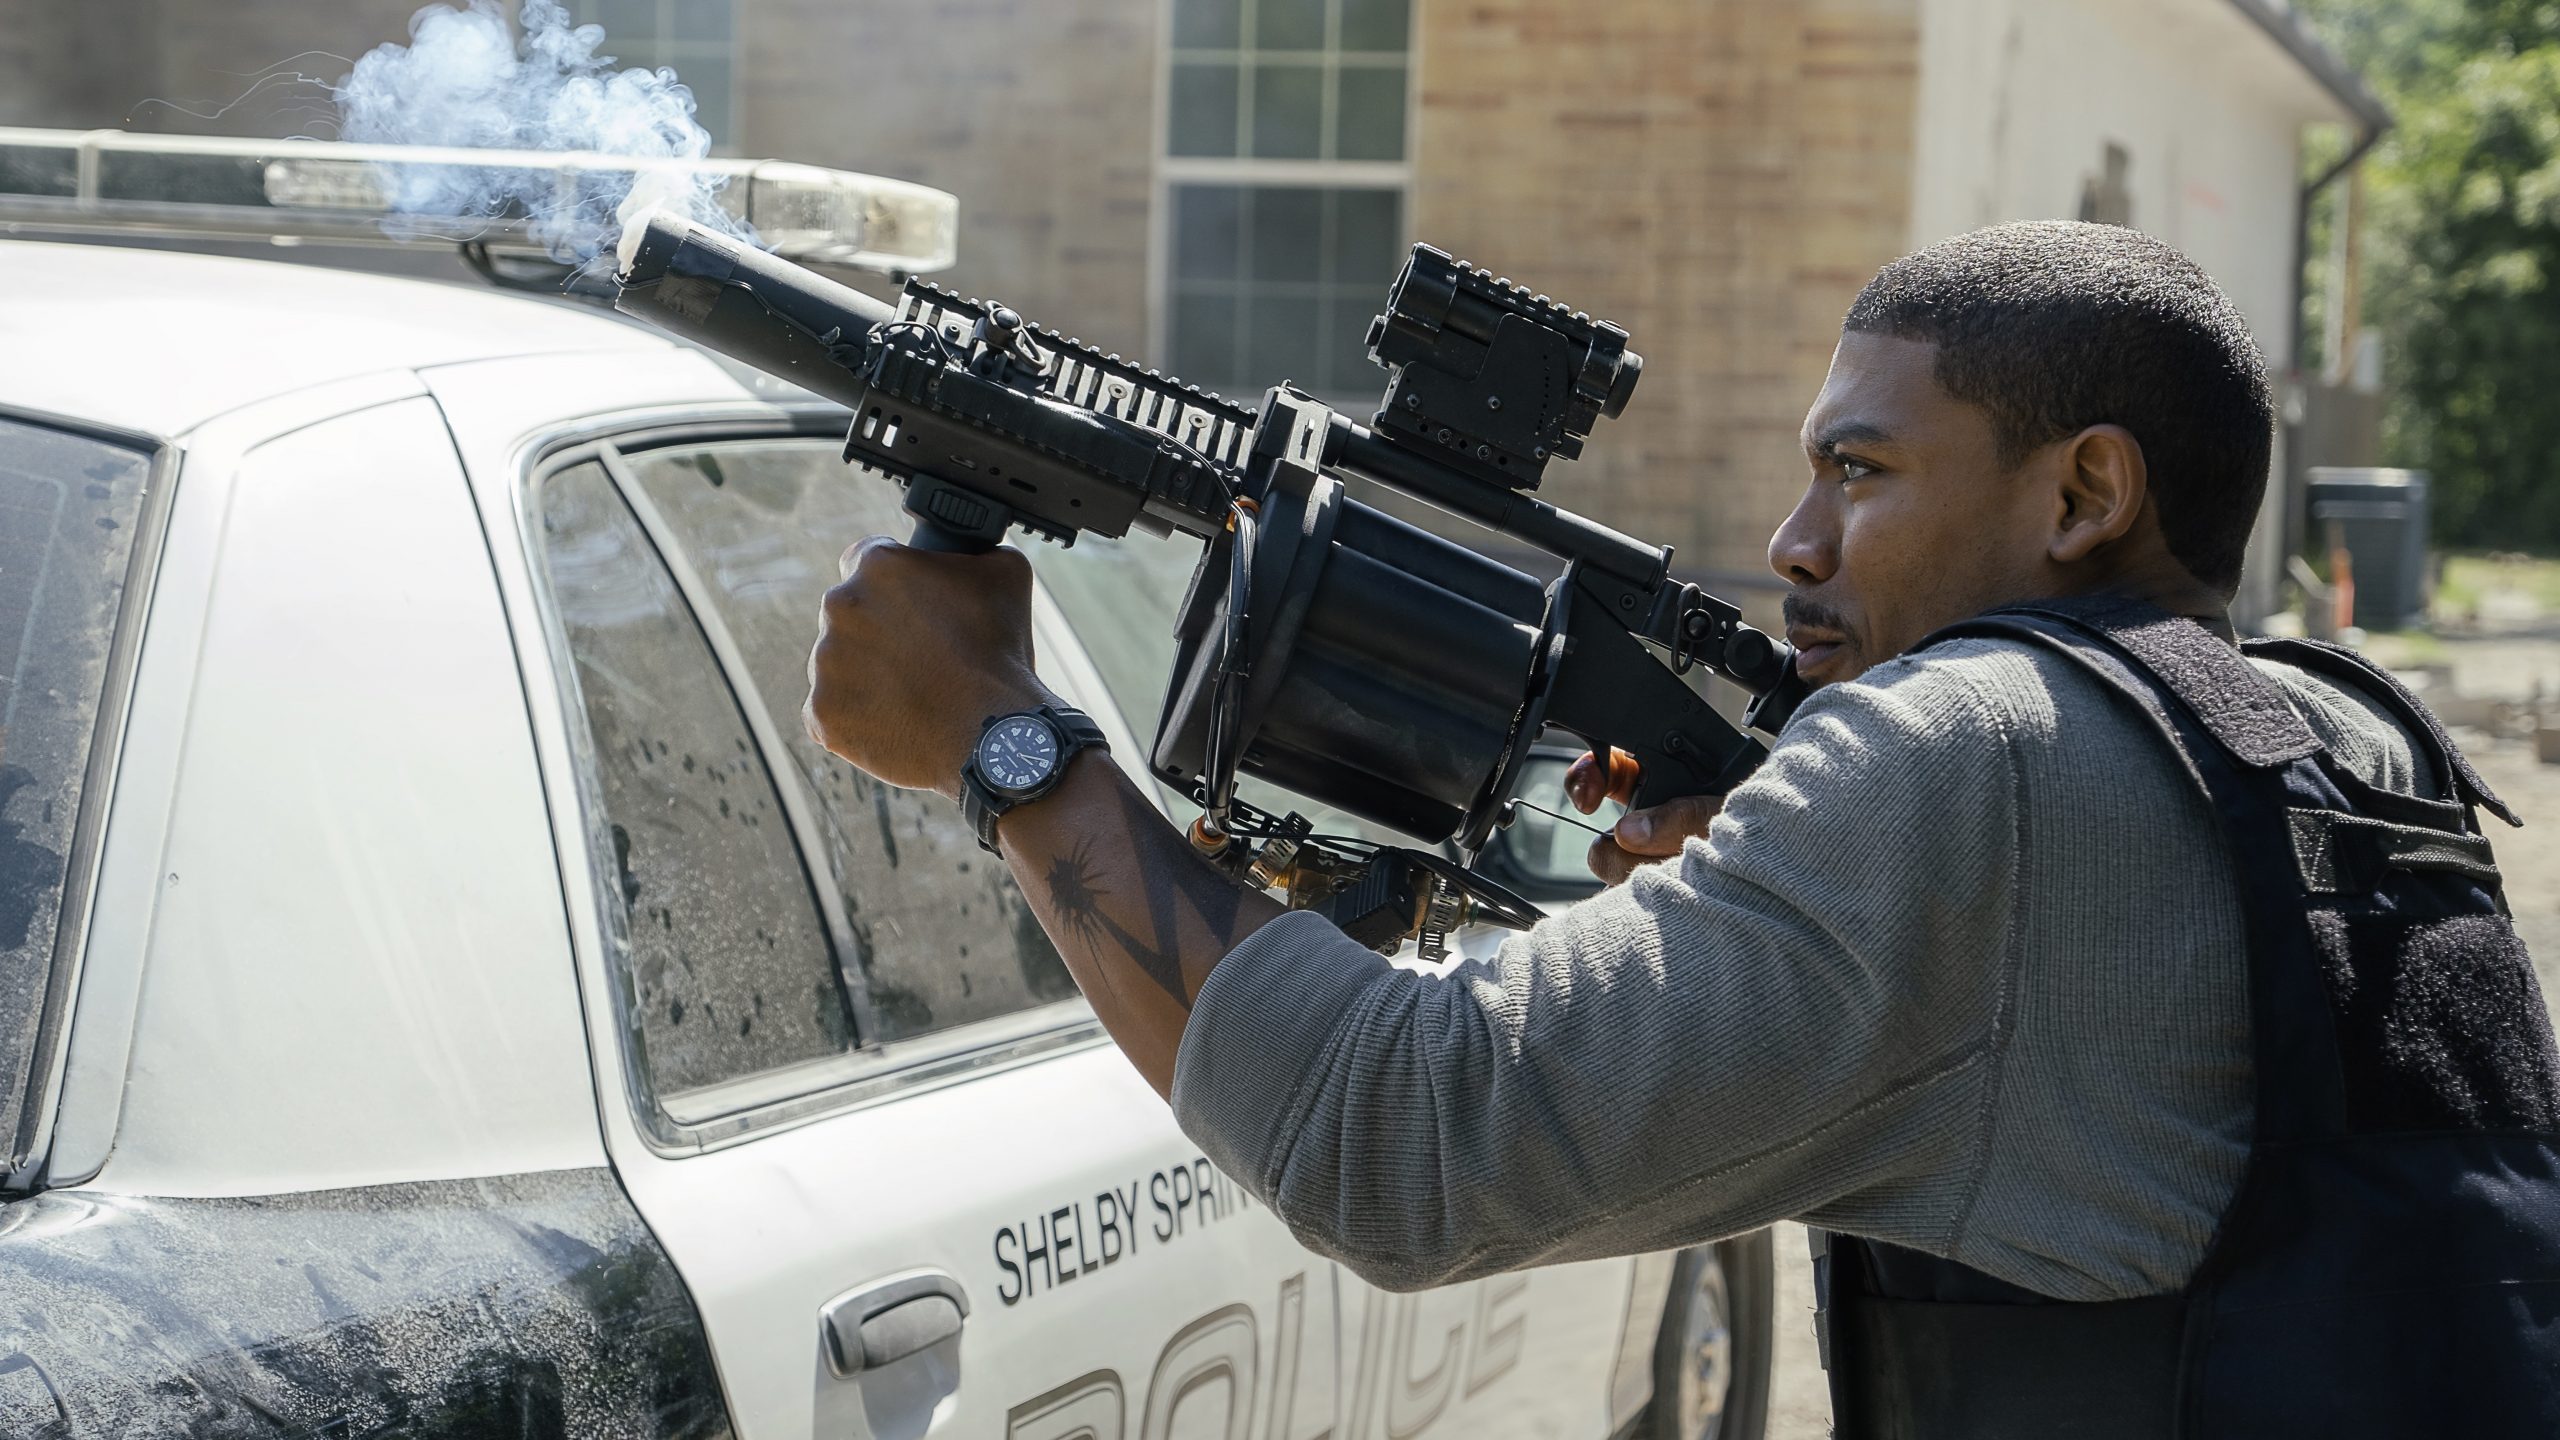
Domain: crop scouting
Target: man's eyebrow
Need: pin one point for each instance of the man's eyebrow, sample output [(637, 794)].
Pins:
[(1848, 432)]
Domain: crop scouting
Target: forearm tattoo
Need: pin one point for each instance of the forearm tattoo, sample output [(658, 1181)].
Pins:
[(1182, 887)]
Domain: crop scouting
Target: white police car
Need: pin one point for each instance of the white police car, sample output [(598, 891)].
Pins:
[(443, 993)]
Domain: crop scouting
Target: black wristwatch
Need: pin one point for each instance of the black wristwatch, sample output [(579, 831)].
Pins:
[(1021, 757)]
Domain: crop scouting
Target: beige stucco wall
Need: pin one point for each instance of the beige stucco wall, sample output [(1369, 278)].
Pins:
[(2019, 98)]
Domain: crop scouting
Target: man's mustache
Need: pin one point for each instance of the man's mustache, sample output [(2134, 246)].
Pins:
[(1804, 612)]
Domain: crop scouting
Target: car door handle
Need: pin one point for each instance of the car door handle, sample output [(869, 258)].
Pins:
[(887, 1321)]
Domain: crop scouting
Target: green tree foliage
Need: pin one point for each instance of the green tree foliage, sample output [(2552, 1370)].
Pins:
[(2463, 243)]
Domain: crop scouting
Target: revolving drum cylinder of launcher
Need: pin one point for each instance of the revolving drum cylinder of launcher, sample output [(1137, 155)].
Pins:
[(1390, 669)]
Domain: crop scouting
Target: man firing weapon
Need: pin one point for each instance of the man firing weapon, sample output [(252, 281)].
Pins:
[(2136, 1012)]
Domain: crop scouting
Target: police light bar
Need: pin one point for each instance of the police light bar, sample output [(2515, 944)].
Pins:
[(295, 190)]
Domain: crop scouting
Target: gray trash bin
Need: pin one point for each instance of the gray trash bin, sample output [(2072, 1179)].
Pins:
[(2384, 514)]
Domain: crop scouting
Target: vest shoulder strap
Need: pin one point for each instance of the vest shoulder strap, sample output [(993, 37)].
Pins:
[(2239, 708), (2360, 673), (2240, 767)]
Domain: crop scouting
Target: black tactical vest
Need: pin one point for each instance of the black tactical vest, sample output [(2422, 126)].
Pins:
[(2390, 1263)]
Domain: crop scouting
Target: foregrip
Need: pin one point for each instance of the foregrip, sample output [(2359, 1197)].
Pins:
[(929, 536)]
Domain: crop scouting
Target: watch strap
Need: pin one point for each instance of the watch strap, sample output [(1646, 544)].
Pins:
[(982, 806)]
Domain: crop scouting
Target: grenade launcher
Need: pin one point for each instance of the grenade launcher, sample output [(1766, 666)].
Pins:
[(1325, 646)]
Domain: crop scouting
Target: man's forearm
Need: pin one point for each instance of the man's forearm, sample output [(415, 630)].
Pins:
[(1137, 914)]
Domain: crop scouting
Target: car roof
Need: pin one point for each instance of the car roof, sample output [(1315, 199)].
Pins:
[(159, 341)]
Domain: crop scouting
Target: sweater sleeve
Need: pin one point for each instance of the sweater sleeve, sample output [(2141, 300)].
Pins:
[(1800, 1016)]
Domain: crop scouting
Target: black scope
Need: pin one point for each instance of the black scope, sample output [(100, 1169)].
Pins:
[(1492, 379)]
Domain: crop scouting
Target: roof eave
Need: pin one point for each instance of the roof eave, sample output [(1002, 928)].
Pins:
[(2286, 27)]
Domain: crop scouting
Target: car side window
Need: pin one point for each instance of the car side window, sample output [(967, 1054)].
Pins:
[(1123, 597), (70, 507), (725, 954), (943, 937)]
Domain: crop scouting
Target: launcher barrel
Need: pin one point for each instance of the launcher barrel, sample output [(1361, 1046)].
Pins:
[(728, 296)]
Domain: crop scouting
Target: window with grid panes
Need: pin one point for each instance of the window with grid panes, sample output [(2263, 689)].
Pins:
[(1286, 171), (697, 39)]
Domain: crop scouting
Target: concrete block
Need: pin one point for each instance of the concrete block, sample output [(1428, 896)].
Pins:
[(2476, 712)]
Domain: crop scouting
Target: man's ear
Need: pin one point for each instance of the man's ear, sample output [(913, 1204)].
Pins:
[(2104, 486)]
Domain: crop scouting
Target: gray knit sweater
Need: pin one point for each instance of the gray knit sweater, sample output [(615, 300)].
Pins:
[(1960, 968)]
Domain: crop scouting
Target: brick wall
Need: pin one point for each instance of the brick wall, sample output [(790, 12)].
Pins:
[(1718, 178), (211, 52), (1038, 114), (73, 65), (146, 64)]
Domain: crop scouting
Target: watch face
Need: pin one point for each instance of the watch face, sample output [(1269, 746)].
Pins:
[(1017, 753)]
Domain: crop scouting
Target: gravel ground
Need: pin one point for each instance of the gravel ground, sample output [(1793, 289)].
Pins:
[(2506, 669), (2529, 858), (1799, 1406)]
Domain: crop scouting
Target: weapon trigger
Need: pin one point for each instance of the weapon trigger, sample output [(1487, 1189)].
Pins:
[(1560, 815)]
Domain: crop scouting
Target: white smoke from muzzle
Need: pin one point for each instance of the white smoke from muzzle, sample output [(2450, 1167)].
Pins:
[(469, 80)]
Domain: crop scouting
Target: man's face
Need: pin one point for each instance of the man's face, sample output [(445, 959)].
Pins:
[(1910, 521)]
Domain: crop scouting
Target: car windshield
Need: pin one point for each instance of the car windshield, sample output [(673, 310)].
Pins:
[(69, 507)]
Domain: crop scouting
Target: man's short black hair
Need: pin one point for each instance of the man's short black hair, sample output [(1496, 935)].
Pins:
[(2055, 326)]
